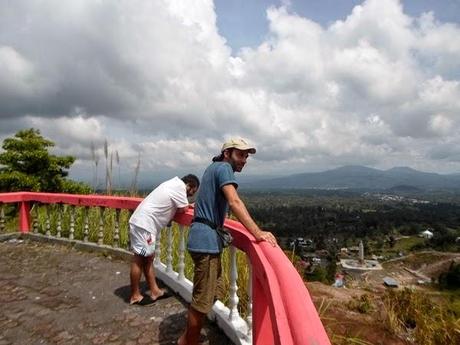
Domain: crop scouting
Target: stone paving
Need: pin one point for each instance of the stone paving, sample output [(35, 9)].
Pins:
[(55, 294)]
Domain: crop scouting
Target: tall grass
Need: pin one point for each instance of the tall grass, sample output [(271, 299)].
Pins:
[(117, 159), (338, 339), (362, 304), (109, 156), (95, 158), (133, 187), (414, 314), (10, 213), (108, 168)]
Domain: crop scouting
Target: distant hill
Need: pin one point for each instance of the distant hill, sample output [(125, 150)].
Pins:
[(360, 177), (405, 189)]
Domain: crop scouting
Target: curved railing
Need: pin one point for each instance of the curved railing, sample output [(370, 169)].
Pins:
[(280, 310)]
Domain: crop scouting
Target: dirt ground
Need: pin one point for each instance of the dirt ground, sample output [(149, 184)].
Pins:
[(345, 325)]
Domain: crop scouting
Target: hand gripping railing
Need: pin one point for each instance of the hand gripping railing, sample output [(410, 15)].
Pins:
[(280, 310)]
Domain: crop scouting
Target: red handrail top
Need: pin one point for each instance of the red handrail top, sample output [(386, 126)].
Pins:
[(73, 199)]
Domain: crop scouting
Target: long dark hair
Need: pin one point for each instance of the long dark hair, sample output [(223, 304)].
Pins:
[(221, 157)]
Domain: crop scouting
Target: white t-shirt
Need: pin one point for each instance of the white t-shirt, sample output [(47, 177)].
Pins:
[(160, 206)]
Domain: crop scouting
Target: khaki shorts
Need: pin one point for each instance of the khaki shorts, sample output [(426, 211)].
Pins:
[(207, 281)]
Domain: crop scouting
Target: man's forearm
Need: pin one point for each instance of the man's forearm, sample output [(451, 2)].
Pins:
[(182, 209), (240, 211)]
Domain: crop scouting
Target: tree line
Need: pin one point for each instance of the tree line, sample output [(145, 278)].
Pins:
[(354, 218), (27, 165)]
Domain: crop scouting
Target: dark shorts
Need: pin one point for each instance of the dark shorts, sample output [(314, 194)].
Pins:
[(207, 281)]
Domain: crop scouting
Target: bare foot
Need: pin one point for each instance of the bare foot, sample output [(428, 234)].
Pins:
[(160, 294), (135, 299)]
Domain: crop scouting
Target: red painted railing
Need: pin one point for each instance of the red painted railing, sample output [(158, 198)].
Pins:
[(283, 312)]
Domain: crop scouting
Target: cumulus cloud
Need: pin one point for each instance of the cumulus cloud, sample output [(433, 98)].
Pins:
[(156, 79)]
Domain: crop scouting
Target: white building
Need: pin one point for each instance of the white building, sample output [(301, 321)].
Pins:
[(426, 234)]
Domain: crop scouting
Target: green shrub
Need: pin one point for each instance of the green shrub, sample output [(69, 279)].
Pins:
[(362, 304)]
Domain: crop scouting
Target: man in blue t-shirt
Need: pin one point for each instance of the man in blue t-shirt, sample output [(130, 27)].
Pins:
[(216, 194)]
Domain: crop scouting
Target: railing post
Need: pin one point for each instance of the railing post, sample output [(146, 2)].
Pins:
[(86, 224), (181, 265), (2, 218), (34, 212), (116, 236), (59, 220), (48, 222), (100, 234), (24, 217), (234, 315), (169, 267), (157, 259), (72, 222)]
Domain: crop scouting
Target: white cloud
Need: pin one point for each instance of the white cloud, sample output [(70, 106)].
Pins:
[(440, 124), (67, 131), (438, 45)]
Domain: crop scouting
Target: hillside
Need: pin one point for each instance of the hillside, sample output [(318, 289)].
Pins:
[(357, 313), (360, 177)]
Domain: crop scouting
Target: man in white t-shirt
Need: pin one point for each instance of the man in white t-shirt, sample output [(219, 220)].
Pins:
[(152, 215)]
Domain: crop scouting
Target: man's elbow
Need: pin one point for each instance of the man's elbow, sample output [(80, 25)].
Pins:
[(234, 204)]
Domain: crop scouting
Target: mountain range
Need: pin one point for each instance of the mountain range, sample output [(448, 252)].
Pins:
[(359, 177)]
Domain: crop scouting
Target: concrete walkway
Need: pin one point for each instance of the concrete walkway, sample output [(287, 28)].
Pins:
[(54, 294)]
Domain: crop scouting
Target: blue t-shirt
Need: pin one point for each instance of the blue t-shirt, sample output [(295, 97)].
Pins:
[(212, 205)]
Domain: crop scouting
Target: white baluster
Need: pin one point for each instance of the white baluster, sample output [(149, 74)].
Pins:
[(130, 213), (169, 267), (157, 259), (72, 223), (234, 315), (48, 223), (34, 212), (2, 218), (116, 236), (249, 306), (86, 225), (59, 221), (100, 234), (181, 265)]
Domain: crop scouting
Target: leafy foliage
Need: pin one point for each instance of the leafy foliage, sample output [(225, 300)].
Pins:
[(353, 217), (26, 165)]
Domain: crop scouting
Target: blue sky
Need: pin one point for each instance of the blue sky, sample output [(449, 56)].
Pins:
[(313, 84), (244, 23)]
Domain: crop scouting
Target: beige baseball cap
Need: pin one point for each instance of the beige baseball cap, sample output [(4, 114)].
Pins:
[(238, 143)]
